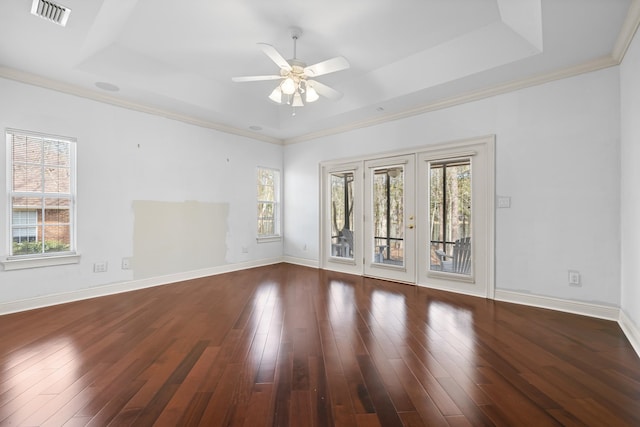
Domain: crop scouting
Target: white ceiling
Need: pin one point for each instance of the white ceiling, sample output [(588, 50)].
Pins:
[(176, 58)]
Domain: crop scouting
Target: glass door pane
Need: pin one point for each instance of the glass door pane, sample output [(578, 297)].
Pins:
[(343, 226), (450, 216), (388, 215), (389, 221)]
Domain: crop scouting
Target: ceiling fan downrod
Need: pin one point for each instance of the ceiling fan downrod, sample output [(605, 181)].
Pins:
[(295, 32)]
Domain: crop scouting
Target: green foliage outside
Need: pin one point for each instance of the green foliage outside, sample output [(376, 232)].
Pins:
[(458, 202), (267, 200), (342, 202), (29, 248), (450, 204)]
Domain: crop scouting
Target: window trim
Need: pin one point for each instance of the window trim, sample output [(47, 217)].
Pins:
[(15, 262), (277, 204)]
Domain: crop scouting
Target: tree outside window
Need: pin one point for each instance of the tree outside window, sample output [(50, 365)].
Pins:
[(268, 202), (450, 206)]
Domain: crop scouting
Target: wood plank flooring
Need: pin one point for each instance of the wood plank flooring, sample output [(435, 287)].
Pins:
[(292, 346)]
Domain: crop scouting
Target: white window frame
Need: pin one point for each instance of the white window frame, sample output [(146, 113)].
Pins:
[(30, 218), (15, 262), (277, 205)]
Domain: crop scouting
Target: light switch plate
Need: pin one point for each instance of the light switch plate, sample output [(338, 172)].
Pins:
[(504, 201)]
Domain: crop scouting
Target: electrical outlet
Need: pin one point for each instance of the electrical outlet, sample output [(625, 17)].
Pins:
[(100, 267), (574, 278), (126, 263), (245, 250)]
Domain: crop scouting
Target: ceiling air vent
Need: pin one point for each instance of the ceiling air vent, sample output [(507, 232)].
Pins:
[(51, 11)]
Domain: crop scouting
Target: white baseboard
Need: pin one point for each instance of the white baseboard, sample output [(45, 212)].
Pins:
[(631, 330), (301, 261), (116, 288), (575, 307), (455, 291), (627, 325)]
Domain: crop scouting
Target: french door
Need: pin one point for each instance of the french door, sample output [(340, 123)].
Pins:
[(389, 218), (456, 199), (424, 217)]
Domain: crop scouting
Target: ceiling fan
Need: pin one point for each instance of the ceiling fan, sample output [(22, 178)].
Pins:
[(296, 85)]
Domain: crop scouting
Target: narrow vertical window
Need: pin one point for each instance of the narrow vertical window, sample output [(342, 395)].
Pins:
[(41, 180), (342, 219), (268, 203)]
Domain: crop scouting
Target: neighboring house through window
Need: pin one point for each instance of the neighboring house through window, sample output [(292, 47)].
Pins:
[(41, 178), (268, 203), (25, 226)]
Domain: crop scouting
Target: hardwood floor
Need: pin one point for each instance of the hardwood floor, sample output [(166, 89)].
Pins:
[(293, 346)]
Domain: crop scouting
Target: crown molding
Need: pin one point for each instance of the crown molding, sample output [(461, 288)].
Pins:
[(627, 32), (598, 64), (70, 89), (625, 37)]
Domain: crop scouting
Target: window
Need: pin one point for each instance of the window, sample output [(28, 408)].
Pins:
[(268, 203), (41, 194)]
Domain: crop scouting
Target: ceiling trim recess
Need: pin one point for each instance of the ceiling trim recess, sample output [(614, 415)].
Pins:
[(596, 65), (70, 89), (627, 32), (625, 37)]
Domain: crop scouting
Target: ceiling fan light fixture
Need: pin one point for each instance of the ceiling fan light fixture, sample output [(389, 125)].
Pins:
[(297, 100), (294, 88), (288, 86), (276, 95), (311, 94)]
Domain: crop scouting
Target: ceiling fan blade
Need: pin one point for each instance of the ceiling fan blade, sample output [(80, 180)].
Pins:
[(275, 56), (325, 67), (255, 78), (324, 90)]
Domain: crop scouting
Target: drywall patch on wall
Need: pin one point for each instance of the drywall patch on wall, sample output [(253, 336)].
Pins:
[(173, 237)]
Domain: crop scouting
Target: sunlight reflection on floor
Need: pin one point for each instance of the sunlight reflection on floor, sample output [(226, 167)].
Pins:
[(43, 370)]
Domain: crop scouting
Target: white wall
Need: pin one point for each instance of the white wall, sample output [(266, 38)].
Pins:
[(557, 156), (630, 195), (126, 156)]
